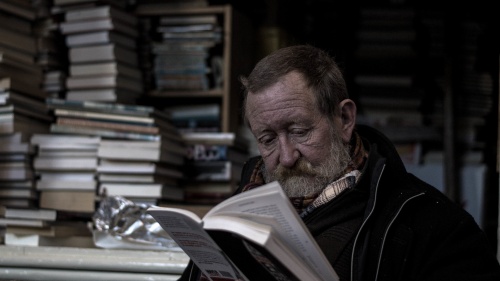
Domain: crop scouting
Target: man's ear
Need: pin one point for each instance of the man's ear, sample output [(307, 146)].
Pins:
[(348, 118)]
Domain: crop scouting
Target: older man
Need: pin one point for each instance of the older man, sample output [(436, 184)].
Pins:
[(372, 219)]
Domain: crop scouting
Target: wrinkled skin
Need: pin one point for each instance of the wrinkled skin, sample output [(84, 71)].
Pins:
[(301, 148)]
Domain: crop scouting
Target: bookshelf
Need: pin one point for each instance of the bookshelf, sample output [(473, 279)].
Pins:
[(451, 61), (235, 53), (455, 76)]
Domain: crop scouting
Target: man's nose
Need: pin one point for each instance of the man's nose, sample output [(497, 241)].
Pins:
[(288, 152)]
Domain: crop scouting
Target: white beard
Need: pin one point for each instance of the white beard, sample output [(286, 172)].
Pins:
[(304, 179)]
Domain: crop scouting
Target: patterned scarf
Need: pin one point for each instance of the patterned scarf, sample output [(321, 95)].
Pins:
[(306, 204)]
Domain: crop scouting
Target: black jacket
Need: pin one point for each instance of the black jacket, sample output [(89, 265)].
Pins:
[(404, 230)]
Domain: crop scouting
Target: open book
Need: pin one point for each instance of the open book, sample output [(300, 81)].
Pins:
[(250, 235)]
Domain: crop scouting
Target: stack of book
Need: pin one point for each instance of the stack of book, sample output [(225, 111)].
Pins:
[(54, 83), (153, 5), (42, 227), (18, 44), (387, 67), (110, 120), (213, 166), (51, 50), (473, 93), (65, 166), (103, 63), (196, 117), (181, 56), (141, 171), (17, 176), (390, 95), (22, 108), (139, 146)]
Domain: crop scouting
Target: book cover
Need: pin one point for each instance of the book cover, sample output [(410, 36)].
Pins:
[(119, 109), (66, 175), (165, 154), (65, 184), (99, 12), (17, 56), (19, 202), (35, 214), (197, 116), (65, 164), (102, 53), (15, 23), (15, 147), (16, 40), (183, 28), (24, 101), (38, 240), (110, 95), (41, 139), (16, 174), (90, 25), (209, 138), (23, 124), (53, 229), (202, 111), (215, 138), (18, 9), (11, 110), (135, 178), (104, 81), (172, 37), (104, 68), (17, 85), (70, 150), (216, 152), (100, 37), (103, 124), (139, 154), (112, 116), (13, 66), (22, 222), (137, 167), (18, 193), (188, 19), (223, 170), (71, 201), (142, 190), (105, 133)]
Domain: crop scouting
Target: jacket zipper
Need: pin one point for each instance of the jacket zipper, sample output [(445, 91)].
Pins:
[(363, 224), (386, 231)]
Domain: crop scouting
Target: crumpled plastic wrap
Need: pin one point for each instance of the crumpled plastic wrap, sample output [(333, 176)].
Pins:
[(122, 224)]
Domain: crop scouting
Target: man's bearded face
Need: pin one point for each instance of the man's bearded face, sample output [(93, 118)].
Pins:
[(304, 179)]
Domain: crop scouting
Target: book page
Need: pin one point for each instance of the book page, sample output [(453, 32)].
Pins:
[(185, 228), (259, 231), (270, 200)]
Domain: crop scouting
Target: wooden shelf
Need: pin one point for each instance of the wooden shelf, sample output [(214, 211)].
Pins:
[(235, 53)]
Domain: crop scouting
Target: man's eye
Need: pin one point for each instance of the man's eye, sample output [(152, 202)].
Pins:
[(298, 132), (266, 140), (300, 135)]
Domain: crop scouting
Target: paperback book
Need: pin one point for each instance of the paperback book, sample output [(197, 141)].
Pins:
[(255, 235)]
